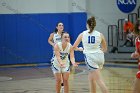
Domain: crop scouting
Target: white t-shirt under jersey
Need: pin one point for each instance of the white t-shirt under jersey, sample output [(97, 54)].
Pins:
[(91, 42), (63, 54)]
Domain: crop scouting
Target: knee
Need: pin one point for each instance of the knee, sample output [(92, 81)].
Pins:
[(58, 80), (65, 80)]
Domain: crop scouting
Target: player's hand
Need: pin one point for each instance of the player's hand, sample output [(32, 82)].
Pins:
[(135, 55), (80, 49), (75, 64), (62, 65)]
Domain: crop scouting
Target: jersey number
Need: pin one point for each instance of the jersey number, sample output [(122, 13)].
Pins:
[(91, 39)]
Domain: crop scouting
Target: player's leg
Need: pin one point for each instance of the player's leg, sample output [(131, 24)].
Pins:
[(91, 67), (92, 83), (99, 80), (66, 82), (58, 82), (98, 76), (57, 74), (62, 84), (136, 88), (96, 62)]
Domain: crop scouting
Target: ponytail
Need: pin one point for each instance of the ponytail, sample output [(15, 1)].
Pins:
[(91, 23)]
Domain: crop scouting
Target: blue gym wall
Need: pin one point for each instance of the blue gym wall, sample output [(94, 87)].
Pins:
[(25, 26), (24, 37)]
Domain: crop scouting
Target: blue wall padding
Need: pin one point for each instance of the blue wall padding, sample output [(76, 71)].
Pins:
[(24, 37)]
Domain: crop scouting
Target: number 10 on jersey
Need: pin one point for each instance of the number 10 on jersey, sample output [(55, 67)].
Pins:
[(91, 39)]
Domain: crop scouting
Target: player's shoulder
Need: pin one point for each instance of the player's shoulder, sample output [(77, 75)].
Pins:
[(52, 34), (96, 31), (84, 32), (70, 46)]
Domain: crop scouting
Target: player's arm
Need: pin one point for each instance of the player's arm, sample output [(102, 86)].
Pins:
[(135, 54), (136, 50), (78, 40), (72, 58), (50, 39), (103, 43), (57, 54)]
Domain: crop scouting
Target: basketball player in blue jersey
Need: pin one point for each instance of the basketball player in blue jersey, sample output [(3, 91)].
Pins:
[(94, 45), (61, 62)]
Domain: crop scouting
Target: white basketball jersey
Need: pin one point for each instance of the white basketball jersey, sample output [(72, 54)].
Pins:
[(91, 42), (56, 38), (63, 53)]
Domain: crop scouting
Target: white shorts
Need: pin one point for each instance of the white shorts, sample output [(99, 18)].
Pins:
[(58, 69), (94, 60)]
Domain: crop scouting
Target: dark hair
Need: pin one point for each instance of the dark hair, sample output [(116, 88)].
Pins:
[(136, 29), (91, 23), (56, 30)]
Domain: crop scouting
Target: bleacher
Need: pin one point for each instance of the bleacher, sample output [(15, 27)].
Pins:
[(116, 39)]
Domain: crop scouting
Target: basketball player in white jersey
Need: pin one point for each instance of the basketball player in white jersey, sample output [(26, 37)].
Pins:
[(55, 37), (94, 45), (61, 62)]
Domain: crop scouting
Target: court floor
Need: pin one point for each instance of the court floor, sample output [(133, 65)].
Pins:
[(118, 77)]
